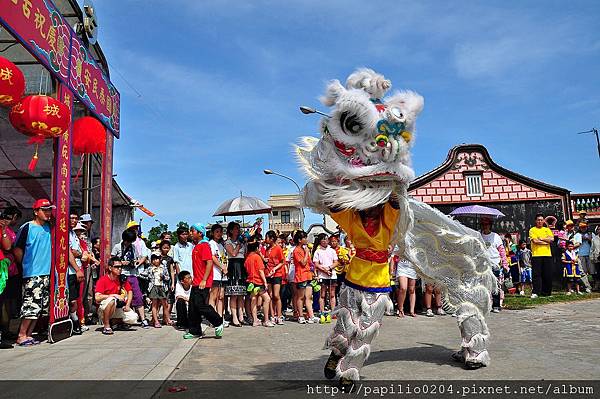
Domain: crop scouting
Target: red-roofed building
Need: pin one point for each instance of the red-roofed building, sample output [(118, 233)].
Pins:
[(469, 176)]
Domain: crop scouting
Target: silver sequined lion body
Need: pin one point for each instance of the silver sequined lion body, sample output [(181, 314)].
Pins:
[(361, 162)]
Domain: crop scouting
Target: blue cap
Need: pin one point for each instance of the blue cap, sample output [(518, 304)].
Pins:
[(200, 228)]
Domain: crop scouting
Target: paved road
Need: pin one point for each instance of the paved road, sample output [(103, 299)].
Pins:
[(558, 341)]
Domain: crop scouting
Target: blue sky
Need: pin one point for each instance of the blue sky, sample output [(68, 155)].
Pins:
[(210, 89)]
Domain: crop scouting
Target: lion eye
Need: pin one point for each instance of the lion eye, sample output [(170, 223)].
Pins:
[(350, 123), (397, 113)]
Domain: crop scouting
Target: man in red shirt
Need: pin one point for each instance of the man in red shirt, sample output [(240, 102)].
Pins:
[(202, 265), (114, 297)]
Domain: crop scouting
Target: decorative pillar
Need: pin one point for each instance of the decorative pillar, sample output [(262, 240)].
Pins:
[(106, 210), (60, 324)]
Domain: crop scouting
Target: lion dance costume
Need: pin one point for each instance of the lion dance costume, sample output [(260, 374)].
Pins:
[(359, 171)]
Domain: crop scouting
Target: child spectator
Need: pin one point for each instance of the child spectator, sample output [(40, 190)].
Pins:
[(515, 270), (524, 257), (159, 281), (302, 278), (257, 284), (571, 270), (182, 298), (168, 263), (275, 274), (326, 260)]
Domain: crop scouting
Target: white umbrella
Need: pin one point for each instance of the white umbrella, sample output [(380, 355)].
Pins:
[(242, 206)]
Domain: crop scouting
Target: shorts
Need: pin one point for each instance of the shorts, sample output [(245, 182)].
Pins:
[(302, 284), (219, 283), (261, 289), (128, 317), (73, 287), (274, 280), (515, 275), (328, 281), (157, 293), (526, 275), (36, 297), (405, 269), (138, 297)]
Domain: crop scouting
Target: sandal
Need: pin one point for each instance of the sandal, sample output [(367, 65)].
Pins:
[(27, 342), (107, 331), (412, 314), (400, 313), (157, 325), (235, 325)]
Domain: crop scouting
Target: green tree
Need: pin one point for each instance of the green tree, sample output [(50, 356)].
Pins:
[(156, 231), (182, 224)]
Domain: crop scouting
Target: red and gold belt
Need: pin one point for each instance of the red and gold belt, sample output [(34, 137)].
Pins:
[(372, 255)]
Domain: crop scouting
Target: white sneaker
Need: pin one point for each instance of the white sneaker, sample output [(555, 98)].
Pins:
[(588, 290), (301, 320), (495, 310), (310, 321), (315, 319), (440, 312), (522, 293), (429, 313), (225, 324), (533, 296), (280, 321), (569, 293), (580, 293)]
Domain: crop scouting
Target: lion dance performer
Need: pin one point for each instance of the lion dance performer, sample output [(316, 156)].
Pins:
[(359, 172)]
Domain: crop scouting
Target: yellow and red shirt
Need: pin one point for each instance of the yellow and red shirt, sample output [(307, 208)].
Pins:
[(368, 269)]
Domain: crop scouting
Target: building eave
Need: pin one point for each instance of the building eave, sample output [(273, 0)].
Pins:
[(451, 158)]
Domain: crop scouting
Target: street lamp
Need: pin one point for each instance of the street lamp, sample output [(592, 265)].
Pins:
[(308, 110), (592, 130), (270, 172)]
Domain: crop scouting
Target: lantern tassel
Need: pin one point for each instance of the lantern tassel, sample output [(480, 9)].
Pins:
[(34, 160), (79, 170)]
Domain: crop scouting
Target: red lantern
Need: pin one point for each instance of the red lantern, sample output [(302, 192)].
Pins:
[(89, 136), (12, 83), (40, 117)]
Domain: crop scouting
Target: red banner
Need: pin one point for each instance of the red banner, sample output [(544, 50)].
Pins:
[(93, 87), (106, 211), (59, 292), (42, 30)]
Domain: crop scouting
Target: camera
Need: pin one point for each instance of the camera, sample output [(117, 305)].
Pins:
[(5, 216), (122, 279)]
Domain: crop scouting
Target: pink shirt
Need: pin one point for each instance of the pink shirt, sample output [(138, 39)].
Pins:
[(325, 257)]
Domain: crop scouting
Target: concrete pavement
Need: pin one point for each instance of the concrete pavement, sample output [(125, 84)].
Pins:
[(557, 341)]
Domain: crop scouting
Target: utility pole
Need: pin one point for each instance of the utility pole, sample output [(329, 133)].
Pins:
[(594, 131)]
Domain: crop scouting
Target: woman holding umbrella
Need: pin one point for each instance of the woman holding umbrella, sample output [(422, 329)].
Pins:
[(497, 253), (236, 273)]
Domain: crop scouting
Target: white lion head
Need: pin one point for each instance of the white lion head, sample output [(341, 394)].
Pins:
[(365, 143)]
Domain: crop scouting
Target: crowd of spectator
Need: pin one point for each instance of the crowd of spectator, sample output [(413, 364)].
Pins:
[(230, 277)]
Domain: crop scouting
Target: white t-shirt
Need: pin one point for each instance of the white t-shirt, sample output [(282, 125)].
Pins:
[(75, 244), (180, 291), (492, 242), (242, 251), (218, 250), (182, 254), (325, 257)]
